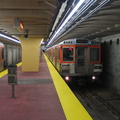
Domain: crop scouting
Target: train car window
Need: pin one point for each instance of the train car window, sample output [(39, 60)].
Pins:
[(117, 41), (80, 51), (104, 42), (94, 54), (68, 54), (2, 53), (59, 53), (110, 42)]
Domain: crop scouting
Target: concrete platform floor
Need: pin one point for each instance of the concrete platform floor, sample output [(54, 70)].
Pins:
[(36, 98)]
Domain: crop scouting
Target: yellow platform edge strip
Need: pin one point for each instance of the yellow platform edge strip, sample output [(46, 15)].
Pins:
[(6, 71), (72, 107)]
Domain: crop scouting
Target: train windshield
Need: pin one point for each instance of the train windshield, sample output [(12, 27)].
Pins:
[(94, 54), (68, 54)]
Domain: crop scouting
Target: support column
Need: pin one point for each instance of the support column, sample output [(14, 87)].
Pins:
[(30, 54)]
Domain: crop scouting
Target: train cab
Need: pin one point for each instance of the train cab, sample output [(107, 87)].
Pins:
[(77, 58)]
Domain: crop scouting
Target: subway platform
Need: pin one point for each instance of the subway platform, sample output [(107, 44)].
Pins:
[(39, 95)]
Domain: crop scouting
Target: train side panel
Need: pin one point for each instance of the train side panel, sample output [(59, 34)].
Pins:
[(57, 59), (1, 57), (10, 54)]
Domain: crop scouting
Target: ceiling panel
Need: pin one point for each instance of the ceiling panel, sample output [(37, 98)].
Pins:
[(37, 16)]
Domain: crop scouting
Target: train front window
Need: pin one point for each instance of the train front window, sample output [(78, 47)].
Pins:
[(68, 54), (94, 54)]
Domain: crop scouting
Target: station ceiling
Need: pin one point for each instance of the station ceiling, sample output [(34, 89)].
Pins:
[(39, 16), (95, 24)]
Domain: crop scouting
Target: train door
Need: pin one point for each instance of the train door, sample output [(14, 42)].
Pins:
[(81, 60), (1, 56), (14, 54), (19, 54), (9, 55)]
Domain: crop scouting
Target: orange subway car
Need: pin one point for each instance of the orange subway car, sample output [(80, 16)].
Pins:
[(77, 58), (1, 57), (9, 54)]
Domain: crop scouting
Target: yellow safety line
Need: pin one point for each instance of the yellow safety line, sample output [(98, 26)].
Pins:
[(19, 64), (72, 107), (3, 73), (6, 71)]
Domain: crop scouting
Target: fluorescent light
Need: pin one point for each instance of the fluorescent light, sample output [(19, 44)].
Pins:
[(67, 19), (71, 14), (10, 38), (91, 2)]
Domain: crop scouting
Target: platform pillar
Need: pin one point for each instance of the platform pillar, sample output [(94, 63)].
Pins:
[(30, 54)]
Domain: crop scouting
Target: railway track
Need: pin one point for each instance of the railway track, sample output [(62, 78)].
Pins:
[(98, 108)]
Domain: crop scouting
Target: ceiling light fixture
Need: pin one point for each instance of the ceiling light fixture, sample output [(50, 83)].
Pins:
[(66, 20), (84, 18), (10, 38)]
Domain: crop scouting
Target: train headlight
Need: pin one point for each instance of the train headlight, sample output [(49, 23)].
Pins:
[(93, 77), (67, 78)]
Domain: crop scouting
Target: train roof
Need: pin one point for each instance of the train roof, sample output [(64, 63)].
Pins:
[(78, 41)]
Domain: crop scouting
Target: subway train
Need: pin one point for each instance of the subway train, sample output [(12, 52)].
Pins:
[(9, 54), (77, 58)]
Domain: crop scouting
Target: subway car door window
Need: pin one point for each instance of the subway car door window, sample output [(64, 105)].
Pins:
[(81, 59), (68, 54)]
